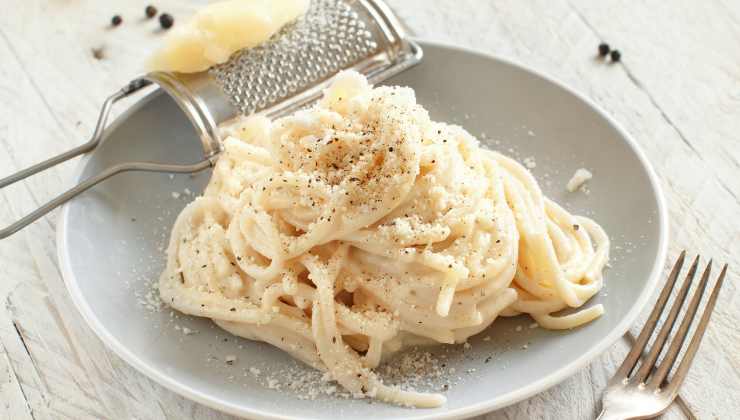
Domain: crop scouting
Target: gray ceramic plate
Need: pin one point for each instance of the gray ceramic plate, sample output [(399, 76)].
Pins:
[(111, 239)]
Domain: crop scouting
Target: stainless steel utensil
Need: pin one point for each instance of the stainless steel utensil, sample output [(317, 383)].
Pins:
[(646, 391), (284, 74)]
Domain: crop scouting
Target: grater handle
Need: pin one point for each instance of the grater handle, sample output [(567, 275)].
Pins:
[(129, 89), (94, 180)]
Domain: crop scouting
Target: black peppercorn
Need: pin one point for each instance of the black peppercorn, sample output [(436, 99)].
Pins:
[(616, 56), (604, 49), (116, 20), (150, 11), (98, 53), (166, 20)]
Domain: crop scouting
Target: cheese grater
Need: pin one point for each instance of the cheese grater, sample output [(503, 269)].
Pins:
[(284, 74)]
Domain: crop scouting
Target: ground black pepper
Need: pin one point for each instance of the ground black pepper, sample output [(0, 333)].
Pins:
[(116, 20), (604, 49)]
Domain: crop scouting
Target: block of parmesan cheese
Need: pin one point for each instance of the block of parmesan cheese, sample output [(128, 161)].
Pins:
[(222, 28)]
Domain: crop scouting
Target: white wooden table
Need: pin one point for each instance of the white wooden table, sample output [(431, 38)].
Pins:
[(677, 92)]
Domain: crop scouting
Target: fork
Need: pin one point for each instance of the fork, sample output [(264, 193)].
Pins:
[(645, 392)]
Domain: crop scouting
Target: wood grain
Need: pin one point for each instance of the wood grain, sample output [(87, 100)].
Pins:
[(676, 92)]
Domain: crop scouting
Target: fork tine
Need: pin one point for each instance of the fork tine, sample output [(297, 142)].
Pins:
[(647, 365), (647, 330), (688, 357), (677, 342)]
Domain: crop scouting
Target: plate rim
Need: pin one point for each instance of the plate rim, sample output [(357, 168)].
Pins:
[(489, 405)]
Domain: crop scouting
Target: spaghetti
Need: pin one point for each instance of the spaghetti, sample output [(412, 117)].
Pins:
[(342, 232)]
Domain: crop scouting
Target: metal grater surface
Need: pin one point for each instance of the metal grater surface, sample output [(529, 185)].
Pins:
[(331, 36), (286, 73), (291, 70)]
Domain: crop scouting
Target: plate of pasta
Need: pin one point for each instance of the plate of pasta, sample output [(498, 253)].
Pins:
[(407, 250)]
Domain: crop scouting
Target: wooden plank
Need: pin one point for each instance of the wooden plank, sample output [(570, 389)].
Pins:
[(674, 95), (13, 401), (561, 40), (699, 106), (13, 404), (20, 390), (63, 369)]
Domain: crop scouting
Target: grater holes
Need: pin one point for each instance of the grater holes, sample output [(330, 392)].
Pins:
[(330, 37)]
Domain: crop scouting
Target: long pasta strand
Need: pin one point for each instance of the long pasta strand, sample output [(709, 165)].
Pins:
[(334, 233)]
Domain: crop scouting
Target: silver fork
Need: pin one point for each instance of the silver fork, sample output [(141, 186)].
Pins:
[(645, 392)]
